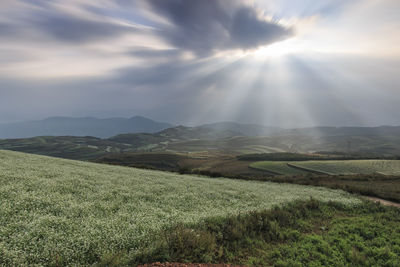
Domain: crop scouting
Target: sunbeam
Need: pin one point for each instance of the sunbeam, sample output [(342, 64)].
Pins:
[(276, 62)]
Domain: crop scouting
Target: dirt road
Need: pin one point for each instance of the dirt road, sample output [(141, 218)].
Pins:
[(384, 202)]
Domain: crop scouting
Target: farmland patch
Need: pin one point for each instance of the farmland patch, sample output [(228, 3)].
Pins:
[(61, 209)]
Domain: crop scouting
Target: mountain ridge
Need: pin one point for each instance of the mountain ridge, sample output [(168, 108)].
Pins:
[(81, 126)]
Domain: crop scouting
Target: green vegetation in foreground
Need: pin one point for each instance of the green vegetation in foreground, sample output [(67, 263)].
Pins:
[(276, 167), (386, 167), (62, 212), (303, 233)]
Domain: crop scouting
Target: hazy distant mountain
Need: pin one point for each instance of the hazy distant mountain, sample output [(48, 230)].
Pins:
[(244, 129), (63, 126)]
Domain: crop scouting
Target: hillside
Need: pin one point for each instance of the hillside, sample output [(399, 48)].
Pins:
[(64, 212), (175, 134), (244, 129), (89, 148), (70, 147), (216, 139), (62, 126), (232, 138)]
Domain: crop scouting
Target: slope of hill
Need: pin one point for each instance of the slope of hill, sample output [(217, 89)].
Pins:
[(179, 133), (87, 147), (244, 129), (342, 131), (63, 212), (62, 126), (177, 139), (70, 147), (375, 142)]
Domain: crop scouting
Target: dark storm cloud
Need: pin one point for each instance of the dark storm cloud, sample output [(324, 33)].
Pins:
[(67, 28), (58, 23), (6, 29), (204, 26), (200, 26), (247, 31)]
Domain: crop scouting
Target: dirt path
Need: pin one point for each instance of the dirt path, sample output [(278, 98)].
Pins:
[(384, 202)]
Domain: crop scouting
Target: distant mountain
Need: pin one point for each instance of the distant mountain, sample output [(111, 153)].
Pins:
[(67, 126), (244, 129)]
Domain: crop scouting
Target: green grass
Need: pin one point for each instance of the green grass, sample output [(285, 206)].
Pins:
[(55, 211), (386, 167), (276, 167), (303, 233)]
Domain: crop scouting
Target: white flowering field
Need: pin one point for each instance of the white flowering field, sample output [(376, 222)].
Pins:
[(387, 167), (53, 208)]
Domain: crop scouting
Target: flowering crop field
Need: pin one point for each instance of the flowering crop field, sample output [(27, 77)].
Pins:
[(276, 167), (54, 208), (387, 167)]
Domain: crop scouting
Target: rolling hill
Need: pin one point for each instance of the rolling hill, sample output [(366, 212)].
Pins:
[(67, 126), (244, 129), (371, 142)]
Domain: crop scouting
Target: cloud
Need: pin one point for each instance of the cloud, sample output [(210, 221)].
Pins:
[(205, 26), (55, 20), (155, 54), (161, 58), (247, 31), (6, 29), (68, 28), (305, 8)]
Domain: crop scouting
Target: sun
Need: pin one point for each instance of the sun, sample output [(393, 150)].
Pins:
[(280, 49)]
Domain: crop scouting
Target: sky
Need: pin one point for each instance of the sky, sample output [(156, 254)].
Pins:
[(286, 63)]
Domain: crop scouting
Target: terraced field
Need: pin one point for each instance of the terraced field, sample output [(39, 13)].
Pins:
[(277, 167), (329, 167), (386, 167), (56, 211)]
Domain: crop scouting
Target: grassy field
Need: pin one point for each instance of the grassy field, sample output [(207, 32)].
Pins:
[(56, 211), (331, 167), (276, 167), (386, 167), (374, 184), (303, 233)]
